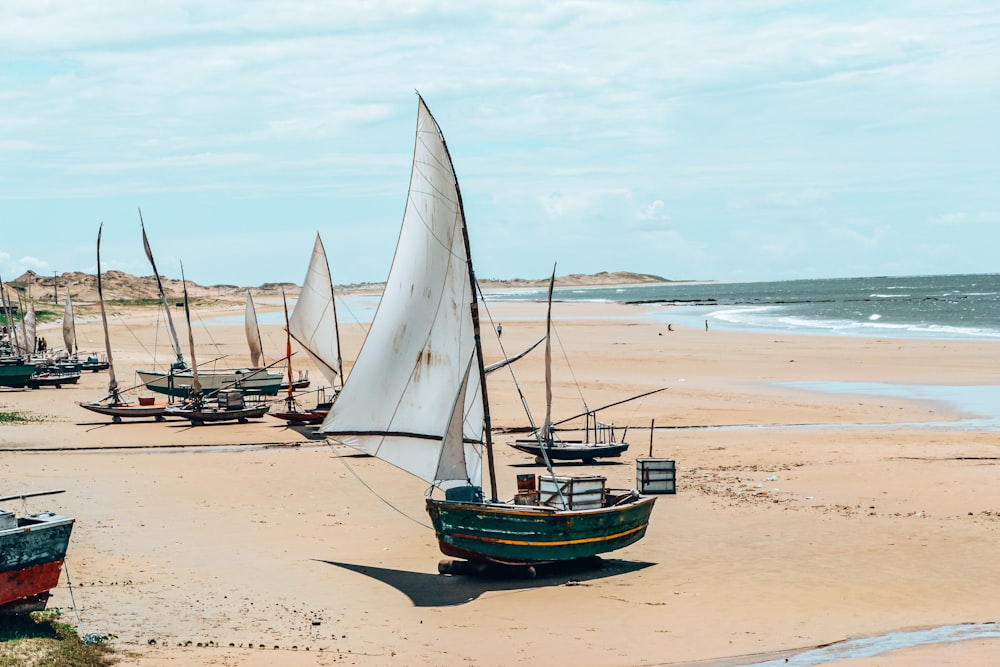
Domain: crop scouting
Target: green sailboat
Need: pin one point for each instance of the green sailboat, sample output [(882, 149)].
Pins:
[(417, 397)]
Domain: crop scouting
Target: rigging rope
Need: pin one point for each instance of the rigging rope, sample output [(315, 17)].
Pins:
[(375, 493), (72, 598), (576, 382)]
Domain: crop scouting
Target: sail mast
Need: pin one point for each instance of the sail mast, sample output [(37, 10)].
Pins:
[(474, 308), (336, 324), (547, 424), (288, 351), (195, 382), (179, 364), (112, 382)]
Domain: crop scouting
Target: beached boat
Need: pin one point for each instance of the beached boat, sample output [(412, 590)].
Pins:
[(114, 405), (178, 380), (546, 444), (53, 378), (225, 405), (15, 372), (228, 405), (32, 550), (313, 325), (417, 397)]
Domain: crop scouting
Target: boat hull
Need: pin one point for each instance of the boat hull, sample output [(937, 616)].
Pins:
[(53, 379), (14, 373), (31, 557), (302, 416), (572, 451), (219, 415), (119, 411), (525, 535), (249, 380)]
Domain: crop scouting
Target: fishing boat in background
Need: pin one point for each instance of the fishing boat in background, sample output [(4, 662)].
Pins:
[(231, 404), (546, 445), (52, 377), (114, 405), (32, 551), (16, 367), (70, 358), (15, 372), (178, 380), (313, 325), (417, 398)]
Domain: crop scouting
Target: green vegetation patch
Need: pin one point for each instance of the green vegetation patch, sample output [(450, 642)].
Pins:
[(40, 639), (15, 417)]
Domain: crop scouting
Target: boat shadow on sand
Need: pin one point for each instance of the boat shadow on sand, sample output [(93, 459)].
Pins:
[(436, 590)]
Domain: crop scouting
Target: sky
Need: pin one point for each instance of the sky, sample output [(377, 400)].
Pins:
[(694, 140)]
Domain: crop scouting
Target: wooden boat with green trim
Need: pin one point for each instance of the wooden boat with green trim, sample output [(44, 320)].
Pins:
[(534, 534), (417, 398)]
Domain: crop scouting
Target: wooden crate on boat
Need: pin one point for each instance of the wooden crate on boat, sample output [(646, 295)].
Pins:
[(526, 498), (580, 492), (656, 475)]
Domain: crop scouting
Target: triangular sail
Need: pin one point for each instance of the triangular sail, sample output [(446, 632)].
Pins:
[(313, 323), (69, 326), (112, 382), (179, 363), (399, 399), (253, 334), (29, 324)]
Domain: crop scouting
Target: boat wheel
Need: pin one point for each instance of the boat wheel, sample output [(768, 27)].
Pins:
[(116, 419)]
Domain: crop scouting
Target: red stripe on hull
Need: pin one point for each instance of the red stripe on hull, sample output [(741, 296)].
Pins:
[(29, 581)]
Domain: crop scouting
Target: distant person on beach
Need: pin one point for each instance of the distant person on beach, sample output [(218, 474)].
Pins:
[(706, 325), (499, 329)]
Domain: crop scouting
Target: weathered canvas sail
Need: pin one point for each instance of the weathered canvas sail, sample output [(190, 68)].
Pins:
[(399, 401), (253, 334), (29, 324), (69, 326), (313, 323)]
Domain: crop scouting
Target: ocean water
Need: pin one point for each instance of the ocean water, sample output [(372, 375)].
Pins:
[(949, 306)]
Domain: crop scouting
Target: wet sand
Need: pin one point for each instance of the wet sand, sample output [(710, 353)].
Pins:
[(811, 518)]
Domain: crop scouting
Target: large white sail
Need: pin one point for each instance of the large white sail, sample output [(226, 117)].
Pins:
[(253, 334), (313, 323), (399, 401), (69, 326)]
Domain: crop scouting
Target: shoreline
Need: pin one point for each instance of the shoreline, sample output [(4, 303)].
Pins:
[(778, 538)]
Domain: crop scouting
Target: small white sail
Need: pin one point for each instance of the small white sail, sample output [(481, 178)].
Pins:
[(29, 324), (399, 400), (69, 326), (313, 323), (253, 334)]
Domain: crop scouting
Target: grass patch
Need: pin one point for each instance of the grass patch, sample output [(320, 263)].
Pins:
[(14, 417), (41, 639)]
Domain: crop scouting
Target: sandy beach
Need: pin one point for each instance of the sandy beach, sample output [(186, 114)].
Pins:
[(801, 519)]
